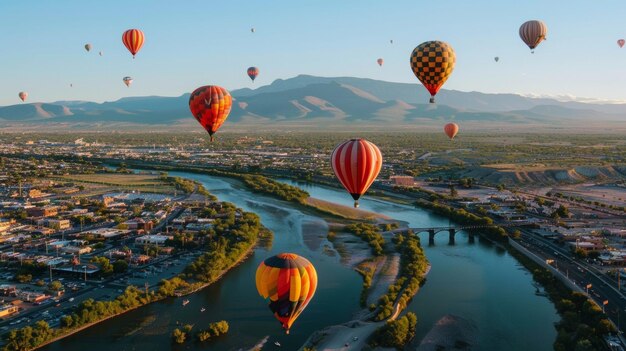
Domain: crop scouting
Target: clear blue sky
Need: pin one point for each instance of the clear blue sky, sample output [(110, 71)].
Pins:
[(196, 42)]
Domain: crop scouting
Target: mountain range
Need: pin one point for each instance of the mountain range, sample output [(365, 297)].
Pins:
[(326, 103)]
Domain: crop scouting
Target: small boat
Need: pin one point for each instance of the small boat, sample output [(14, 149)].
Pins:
[(202, 309), (185, 302), (277, 343)]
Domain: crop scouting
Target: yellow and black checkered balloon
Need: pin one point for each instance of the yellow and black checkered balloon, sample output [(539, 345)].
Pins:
[(432, 63)]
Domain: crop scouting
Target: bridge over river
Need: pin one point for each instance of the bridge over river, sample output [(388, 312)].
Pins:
[(452, 230)]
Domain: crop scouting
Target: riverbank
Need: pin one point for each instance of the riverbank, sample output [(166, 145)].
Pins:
[(234, 248)]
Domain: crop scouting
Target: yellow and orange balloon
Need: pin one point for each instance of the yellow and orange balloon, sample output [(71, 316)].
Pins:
[(289, 281), (133, 39)]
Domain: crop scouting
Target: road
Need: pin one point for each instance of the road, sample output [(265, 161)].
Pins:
[(581, 273)]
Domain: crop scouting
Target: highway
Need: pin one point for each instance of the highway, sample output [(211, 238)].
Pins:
[(581, 273)]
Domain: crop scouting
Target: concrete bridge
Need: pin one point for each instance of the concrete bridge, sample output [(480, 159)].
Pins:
[(452, 230)]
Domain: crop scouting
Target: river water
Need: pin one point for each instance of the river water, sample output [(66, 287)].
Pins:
[(477, 281)]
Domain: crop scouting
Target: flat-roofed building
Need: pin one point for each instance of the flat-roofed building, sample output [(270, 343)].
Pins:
[(402, 180)]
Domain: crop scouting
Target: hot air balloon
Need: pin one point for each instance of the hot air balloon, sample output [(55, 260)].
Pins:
[(23, 95), (621, 43), (451, 129), (210, 105), (496, 59), (252, 30), (88, 47), (380, 61), (532, 33), (100, 53), (133, 40), (290, 282), (128, 81), (71, 85), (253, 72), (356, 164), (391, 41), (432, 63)]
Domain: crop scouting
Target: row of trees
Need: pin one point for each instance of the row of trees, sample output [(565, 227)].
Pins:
[(261, 184), (369, 233), (582, 325), (397, 333), (414, 265)]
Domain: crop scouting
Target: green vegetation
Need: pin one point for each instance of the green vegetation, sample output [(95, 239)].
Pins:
[(264, 185), (230, 240), (414, 266), (214, 330), (369, 233), (366, 269), (582, 323), (180, 335), (395, 333)]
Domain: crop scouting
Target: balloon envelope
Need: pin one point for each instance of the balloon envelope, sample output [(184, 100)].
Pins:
[(88, 47), (133, 39), (128, 81), (289, 281), (210, 105), (496, 59), (253, 72), (432, 63), (23, 95), (533, 32), (356, 164), (451, 129), (380, 61), (621, 43)]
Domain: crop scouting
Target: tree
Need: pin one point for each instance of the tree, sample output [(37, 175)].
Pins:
[(179, 336), (453, 191), (55, 286), (120, 266)]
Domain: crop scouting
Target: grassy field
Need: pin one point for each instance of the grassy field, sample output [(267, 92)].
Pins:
[(342, 211), (106, 182)]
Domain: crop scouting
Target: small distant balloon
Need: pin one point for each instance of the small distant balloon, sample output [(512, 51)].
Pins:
[(532, 33), (391, 41), (88, 47), (621, 43), (23, 95), (451, 129), (252, 30), (128, 81), (380, 61), (100, 53), (496, 59), (71, 85), (253, 72)]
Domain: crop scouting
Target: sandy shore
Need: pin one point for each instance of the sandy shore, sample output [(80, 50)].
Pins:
[(450, 333)]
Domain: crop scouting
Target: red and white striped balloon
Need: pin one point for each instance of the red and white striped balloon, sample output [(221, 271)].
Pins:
[(356, 164)]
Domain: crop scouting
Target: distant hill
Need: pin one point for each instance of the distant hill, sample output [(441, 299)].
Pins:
[(326, 103)]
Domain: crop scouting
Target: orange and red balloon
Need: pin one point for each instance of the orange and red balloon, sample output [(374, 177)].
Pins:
[(210, 105), (133, 39)]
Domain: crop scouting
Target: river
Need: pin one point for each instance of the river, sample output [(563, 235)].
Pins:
[(477, 281)]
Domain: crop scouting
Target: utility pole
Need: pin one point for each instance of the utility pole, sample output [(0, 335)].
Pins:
[(50, 273), (85, 266), (147, 285)]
